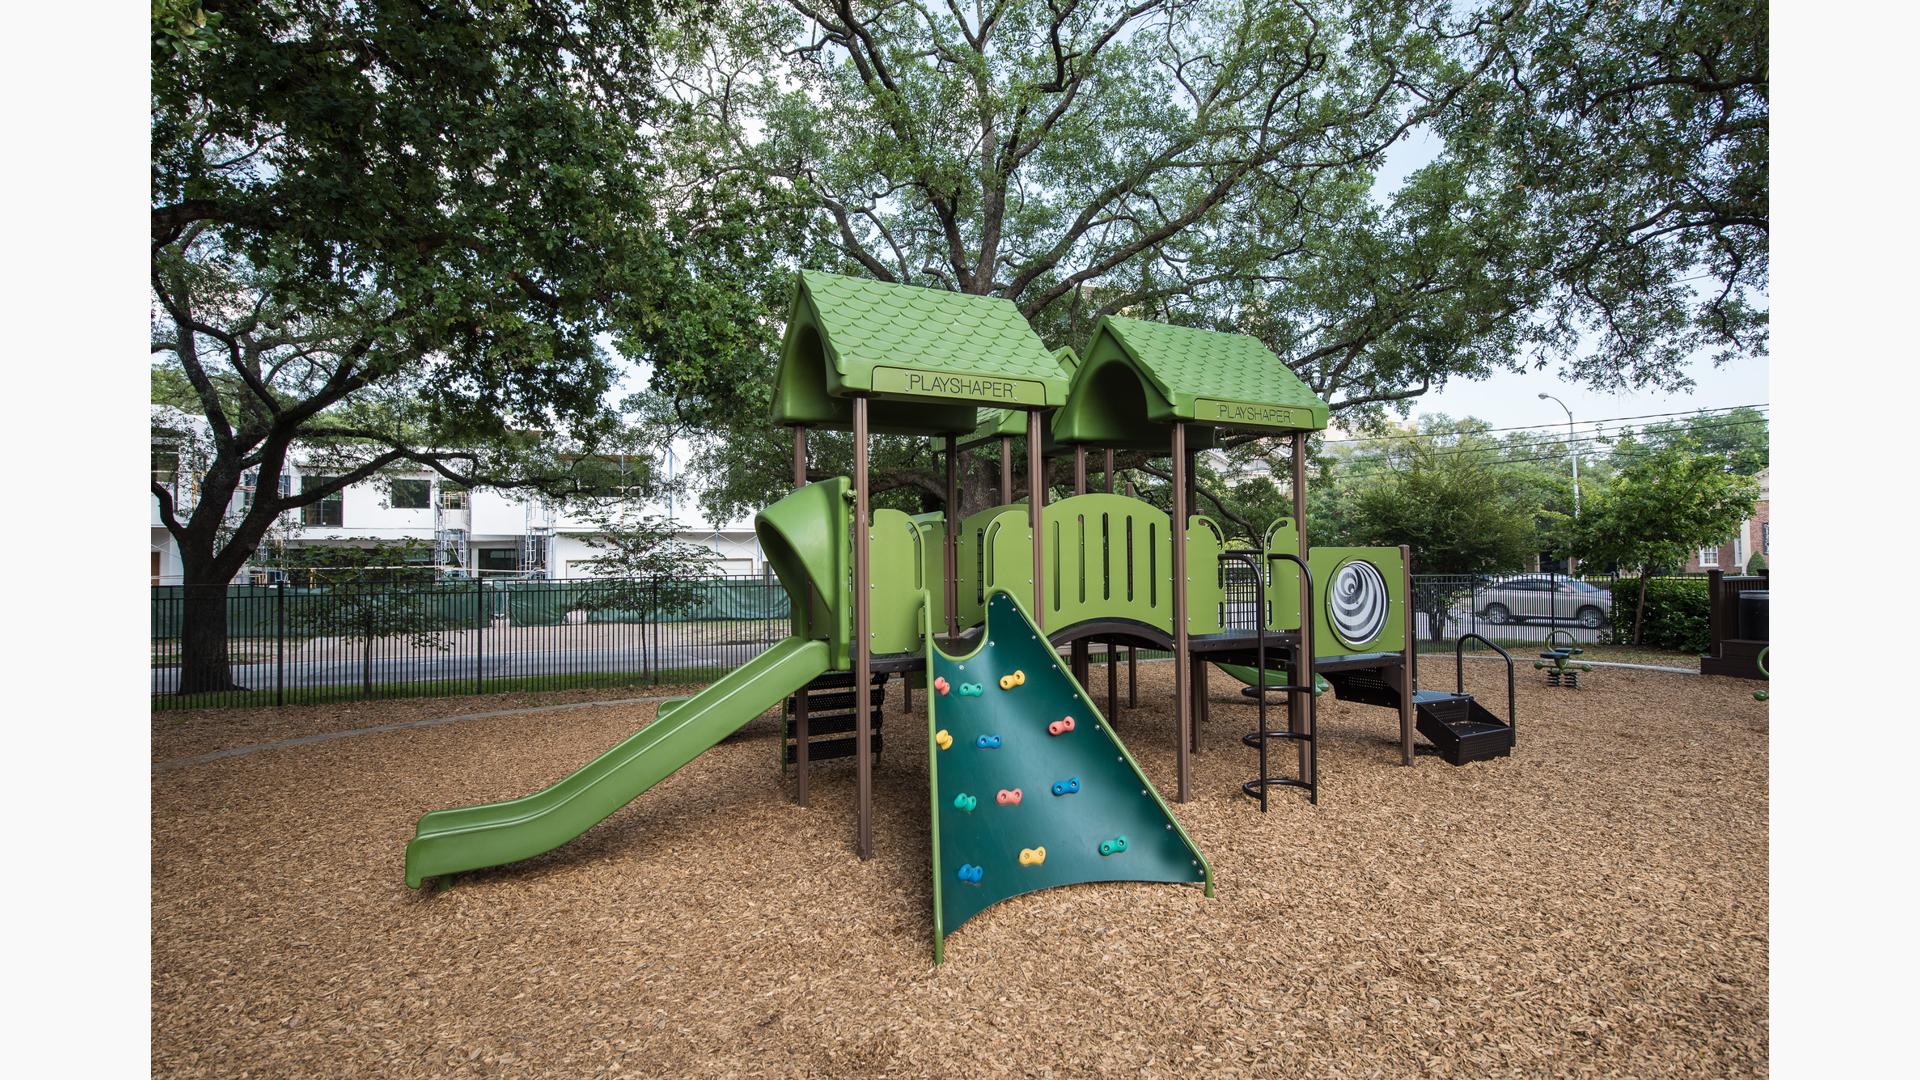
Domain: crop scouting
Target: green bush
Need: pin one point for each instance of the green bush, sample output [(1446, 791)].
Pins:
[(1676, 616), (1757, 563)]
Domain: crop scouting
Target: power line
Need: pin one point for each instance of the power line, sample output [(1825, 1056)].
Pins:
[(1493, 454), (1708, 413)]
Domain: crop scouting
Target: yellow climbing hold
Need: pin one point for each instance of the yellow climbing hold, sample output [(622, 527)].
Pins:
[(1008, 682), (942, 739), (1032, 856)]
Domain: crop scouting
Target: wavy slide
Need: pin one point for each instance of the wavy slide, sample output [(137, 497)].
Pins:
[(449, 841)]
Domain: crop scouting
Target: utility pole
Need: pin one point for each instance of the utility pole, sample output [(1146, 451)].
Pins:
[(1573, 453)]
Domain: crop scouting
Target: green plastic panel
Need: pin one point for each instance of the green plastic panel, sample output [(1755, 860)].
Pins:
[(1206, 585), (1111, 799), (932, 528), (1106, 556), (971, 561), (807, 539), (450, 841), (1283, 581), (1363, 598), (897, 571)]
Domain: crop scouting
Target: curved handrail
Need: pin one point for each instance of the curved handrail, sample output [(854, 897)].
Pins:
[(1573, 643), (1303, 659), (1460, 673)]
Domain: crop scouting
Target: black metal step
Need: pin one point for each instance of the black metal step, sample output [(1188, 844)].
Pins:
[(1460, 728), (1365, 687)]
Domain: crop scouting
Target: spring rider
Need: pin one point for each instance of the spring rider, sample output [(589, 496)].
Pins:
[(1557, 661)]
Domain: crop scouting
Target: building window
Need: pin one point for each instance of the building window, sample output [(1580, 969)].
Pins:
[(326, 512), (166, 469), (1710, 557), (452, 497), (1766, 538), (412, 494)]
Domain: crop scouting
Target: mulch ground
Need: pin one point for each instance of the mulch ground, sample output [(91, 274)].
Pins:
[(1596, 904)]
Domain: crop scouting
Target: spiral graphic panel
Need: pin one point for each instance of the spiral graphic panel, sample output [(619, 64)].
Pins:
[(1357, 603)]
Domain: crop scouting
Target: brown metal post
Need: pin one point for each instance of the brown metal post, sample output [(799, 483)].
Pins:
[(802, 762), (1036, 500), (1408, 680), (951, 589), (1006, 470), (1297, 700), (1182, 657), (862, 639)]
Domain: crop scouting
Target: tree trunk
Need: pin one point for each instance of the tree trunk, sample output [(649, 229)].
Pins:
[(204, 666), (366, 666), (1640, 608)]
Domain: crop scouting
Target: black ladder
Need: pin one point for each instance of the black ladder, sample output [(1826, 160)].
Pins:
[(1303, 648), (828, 701)]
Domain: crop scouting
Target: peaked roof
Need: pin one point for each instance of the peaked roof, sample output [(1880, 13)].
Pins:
[(1139, 376), (926, 357)]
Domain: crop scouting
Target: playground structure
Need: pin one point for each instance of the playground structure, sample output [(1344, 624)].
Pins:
[(1737, 625), (1030, 787)]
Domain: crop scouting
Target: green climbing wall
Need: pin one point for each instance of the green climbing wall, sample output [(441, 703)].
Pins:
[(979, 840)]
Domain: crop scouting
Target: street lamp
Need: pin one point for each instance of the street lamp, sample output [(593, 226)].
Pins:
[(1573, 453)]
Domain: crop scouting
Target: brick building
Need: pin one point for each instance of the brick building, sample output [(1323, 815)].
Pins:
[(1754, 538)]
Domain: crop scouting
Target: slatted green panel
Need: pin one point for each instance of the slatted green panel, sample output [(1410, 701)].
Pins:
[(1107, 557), (1205, 590), (1283, 584), (1007, 555), (897, 571), (972, 560), (933, 562)]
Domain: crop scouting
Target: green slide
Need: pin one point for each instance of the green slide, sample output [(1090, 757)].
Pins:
[(449, 841), (1276, 676), (1030, 787)]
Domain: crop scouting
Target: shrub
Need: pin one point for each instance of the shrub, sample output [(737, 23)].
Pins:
[(1757, 563), (1676, 616)]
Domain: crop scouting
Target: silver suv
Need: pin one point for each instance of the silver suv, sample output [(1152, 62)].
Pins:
[(1544, 596)]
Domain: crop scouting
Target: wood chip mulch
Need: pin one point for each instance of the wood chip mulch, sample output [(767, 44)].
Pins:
[(1596, 904)]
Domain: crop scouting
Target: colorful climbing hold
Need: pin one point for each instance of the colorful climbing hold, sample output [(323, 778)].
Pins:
[(969, 689), (941, 685), (971, 873), (1061, 726), (1008, 798), (1069, 786), (965, 803), (943, 739), (1032, 856), (1114, 846), (988, 742)]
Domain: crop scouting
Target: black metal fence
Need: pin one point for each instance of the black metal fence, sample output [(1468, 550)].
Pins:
[(290, 645)]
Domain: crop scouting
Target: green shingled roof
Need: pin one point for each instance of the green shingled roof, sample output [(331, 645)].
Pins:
[(1139, 376), (926, 357)]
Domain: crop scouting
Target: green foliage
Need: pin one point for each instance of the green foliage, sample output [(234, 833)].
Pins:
[(182, 28), (1460, 511), (1626, 147), (1677, 614), (1738, 437), (652, 570), (1757, 563), (1665, 502)]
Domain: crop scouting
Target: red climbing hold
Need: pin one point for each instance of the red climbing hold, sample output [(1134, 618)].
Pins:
[(1060, 727), (1008, 798)]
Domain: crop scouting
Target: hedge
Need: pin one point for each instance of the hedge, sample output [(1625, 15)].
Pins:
[(1676, 617)]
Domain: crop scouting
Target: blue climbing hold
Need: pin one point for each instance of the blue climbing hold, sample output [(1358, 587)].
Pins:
[(1069, 786), (988, 742), (971, 874)]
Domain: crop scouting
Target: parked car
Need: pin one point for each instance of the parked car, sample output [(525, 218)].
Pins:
[(1543, 596)]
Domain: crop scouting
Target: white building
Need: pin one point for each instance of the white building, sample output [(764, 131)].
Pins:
[(484, 531)]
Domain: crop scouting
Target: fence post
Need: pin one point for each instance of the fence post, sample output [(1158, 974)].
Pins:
[(280, 643), (480, 631), (651, 618)]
